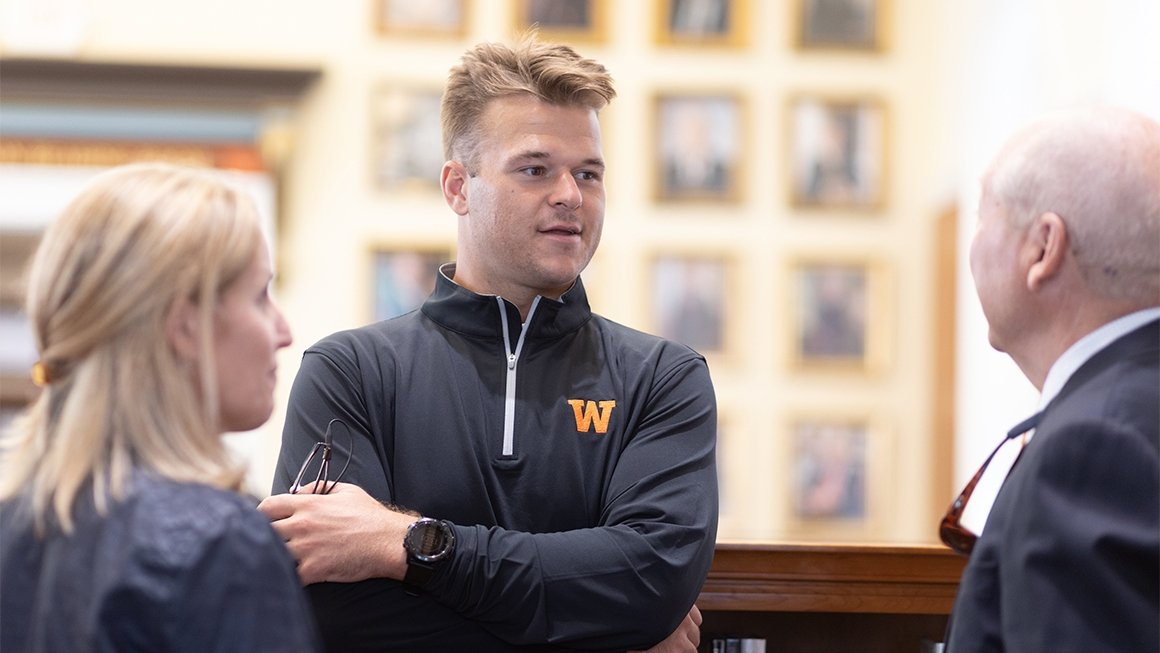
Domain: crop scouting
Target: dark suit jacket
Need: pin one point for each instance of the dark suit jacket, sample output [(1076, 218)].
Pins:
[(1070, 557)]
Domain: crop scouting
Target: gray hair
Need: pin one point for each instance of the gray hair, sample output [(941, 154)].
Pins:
[(1099, 170)]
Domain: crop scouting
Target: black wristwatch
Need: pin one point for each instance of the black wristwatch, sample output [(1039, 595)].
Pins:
[(428, 541)]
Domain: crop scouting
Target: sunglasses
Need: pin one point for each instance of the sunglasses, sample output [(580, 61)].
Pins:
[(323, 451), (951, 531)]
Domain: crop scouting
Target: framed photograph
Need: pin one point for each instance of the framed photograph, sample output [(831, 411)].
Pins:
[(839, 466), (839, 25), (698, 147), (403, 278), (839, 315), (689, 300), (564, 20), (422, 18), (702, 22), (829, 479), (837, 152), (407, 145)]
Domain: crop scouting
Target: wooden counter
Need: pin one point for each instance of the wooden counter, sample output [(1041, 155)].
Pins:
[(830, 597)]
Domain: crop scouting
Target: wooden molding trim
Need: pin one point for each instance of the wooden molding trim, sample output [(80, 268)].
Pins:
[(68, 80), (832, 578)]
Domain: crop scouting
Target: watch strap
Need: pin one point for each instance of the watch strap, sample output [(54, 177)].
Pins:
[(418, 573)]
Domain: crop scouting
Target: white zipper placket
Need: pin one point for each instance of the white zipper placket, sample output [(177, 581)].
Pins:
[(509, 404)]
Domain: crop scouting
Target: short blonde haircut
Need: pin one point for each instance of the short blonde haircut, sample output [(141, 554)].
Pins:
[(137, 240), (553, 73)]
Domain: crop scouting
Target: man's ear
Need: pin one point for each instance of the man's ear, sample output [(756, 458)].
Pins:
[(182, 329), (1048, 241), (455, 182)]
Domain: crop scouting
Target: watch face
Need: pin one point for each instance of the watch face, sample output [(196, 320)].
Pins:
[(429, 540)]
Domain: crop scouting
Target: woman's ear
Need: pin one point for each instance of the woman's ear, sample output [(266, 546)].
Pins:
[(183, 330), (455, 181)]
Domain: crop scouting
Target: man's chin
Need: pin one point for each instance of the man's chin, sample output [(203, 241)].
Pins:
[(561, 276)]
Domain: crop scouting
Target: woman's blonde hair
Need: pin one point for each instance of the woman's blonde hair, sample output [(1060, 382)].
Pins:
[(135, 242), (554, 73)]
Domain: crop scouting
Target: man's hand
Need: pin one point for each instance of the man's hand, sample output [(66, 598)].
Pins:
[(685, 638), (344, 536)]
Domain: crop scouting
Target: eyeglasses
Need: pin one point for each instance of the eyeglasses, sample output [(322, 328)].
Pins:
[(951, 530), (322, 483)]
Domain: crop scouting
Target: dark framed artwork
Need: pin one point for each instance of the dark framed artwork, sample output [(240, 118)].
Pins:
[(403, 278), (690, 300), (702, 22), (407, 145), (830, 470), (698, 147), (840, 466), (839, 315), (837, 152), (563, 20), (853, 25), (422, 18)]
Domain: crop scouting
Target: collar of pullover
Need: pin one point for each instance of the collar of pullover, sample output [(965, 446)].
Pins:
[(472, 314)]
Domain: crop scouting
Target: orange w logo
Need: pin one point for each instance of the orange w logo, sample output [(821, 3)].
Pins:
[(586, 413)]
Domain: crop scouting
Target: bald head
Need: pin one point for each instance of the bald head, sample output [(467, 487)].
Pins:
[(1099, 170)]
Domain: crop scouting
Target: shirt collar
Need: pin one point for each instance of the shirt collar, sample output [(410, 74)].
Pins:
[(1088, 346), (471, 313)]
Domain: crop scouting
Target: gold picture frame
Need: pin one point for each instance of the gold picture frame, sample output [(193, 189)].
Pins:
[(839, 315), (837, 152), (407, 140), (699, 146), (700, 23), (401, 277), (568, 21), (422, 18), (690, 300), (839, 466), (839, 25)]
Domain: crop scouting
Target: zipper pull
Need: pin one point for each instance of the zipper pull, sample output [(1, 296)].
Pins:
[(511, 361)]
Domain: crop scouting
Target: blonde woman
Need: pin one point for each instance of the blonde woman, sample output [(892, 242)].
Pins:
[(121, 525)]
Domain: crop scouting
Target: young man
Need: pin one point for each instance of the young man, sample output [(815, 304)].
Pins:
[(1067, 269), (563, 464)]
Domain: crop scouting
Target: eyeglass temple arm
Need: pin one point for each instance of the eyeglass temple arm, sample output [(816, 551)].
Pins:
[(1018, 430)]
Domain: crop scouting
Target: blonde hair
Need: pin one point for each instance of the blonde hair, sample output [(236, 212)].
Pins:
[(136, 241), (554, 73)]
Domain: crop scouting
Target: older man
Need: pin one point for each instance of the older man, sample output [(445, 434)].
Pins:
[(1066, 261)]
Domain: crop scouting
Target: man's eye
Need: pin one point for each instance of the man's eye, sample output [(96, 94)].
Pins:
[(533, 171), (588, 175)]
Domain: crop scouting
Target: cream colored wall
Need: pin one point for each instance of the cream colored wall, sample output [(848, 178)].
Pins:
[(1013, 61), (333, 216)]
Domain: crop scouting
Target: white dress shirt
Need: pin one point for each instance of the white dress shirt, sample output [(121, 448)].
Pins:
[(975, 514)]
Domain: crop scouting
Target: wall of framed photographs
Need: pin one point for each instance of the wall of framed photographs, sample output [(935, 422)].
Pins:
[(772, 195), (778, 169), (767, 208)]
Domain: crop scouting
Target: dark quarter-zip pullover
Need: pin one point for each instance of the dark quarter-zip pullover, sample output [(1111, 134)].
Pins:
[(573, 455)]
